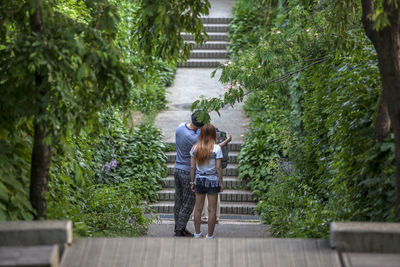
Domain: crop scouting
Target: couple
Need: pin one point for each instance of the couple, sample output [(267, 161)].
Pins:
[(197, 170)]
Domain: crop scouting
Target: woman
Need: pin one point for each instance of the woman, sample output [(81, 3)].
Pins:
[(206, 177)]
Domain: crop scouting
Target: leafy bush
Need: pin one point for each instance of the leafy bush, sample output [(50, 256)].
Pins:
[(105, 185), (148, 96), (245, 26), (124, 155), (15, 147), (78, 160), (310, 154)]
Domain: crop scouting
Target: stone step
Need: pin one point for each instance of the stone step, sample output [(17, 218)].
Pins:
[(214, 36), (232, 146), (201, 63), (229, 182), (36, 233), (216, 27), (208, 20), (216, 54), (228, 218), (230, 170), (217, 45), (168, 194), (233, 157), (238, 208), (32, 256), (242, 208), (365, 237)]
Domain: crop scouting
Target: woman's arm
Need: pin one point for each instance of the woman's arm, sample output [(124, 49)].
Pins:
[(192, 172), (218, 166), (226, 141)]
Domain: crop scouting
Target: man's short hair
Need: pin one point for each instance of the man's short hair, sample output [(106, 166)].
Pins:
[(194, 119)]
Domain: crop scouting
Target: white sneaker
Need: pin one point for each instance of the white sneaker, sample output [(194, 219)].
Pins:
[(197, 235), (210, 237)]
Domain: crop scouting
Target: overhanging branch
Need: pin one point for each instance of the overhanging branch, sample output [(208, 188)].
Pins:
[(289, 74)]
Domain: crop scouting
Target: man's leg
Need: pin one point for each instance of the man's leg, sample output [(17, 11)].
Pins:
[(188, 199), (178, 196)]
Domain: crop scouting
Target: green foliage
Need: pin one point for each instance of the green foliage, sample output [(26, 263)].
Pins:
[(149, 95), (292, 210), (124, 155), (63, 70), (312, 88), (103, 187), (245, 26), (68, 68), (161, 23), (14, 174)]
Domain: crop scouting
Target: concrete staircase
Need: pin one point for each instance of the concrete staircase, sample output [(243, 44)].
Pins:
[(213, 52), (237, 203)]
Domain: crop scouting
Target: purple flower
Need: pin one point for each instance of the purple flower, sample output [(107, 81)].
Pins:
[(114, 163), (106, 167)]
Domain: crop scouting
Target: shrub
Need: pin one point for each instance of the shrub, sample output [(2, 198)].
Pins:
[(106, 183), (310, 154)]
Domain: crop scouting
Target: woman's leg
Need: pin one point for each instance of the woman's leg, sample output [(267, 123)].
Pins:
[(218, 213), (212, 208), (198, 207), (204, 213)]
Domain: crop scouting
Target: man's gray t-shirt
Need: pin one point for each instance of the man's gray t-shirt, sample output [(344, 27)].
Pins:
[(185, 138)]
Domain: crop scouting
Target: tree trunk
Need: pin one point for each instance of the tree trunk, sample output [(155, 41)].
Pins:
[(382, 125), (41, 157), (387, 45), (41, 153)]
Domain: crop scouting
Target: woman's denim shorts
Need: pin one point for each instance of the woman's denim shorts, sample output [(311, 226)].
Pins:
[(201, 189)]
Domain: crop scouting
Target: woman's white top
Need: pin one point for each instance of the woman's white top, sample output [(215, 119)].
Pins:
[(207, 173)]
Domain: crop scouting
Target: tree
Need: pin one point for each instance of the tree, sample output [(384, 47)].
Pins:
[(381, 20), (161, 23), (61, 65), (57, 72)]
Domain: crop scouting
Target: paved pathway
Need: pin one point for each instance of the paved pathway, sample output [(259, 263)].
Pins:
[(183, 252), (237, 242), (190, 83), (192, 80)]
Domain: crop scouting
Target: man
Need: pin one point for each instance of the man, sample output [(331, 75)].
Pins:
[(185, 137)]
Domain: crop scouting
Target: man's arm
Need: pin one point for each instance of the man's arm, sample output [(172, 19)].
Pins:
[(226, 141), (192, 172)]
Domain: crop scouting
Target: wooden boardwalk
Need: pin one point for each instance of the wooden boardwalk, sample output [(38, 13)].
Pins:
[(171, 252)]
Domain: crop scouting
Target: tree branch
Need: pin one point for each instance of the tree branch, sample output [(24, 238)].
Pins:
[(35, 20), (367, 12), (289, 74), (98, 17)]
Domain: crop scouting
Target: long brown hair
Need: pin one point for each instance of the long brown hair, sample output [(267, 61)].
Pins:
[(205, 144)]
